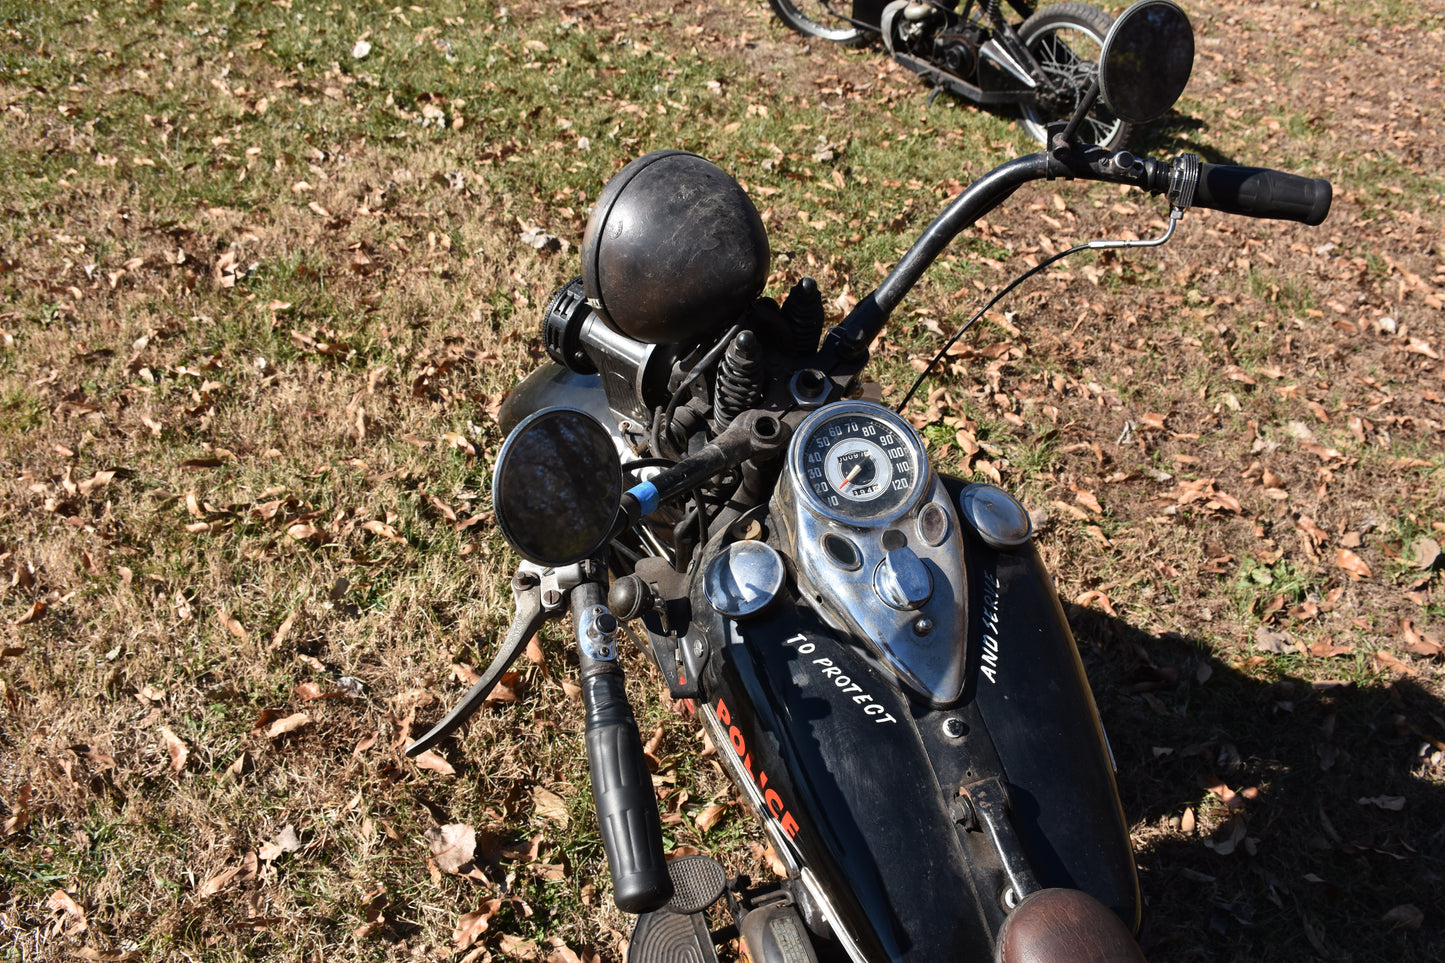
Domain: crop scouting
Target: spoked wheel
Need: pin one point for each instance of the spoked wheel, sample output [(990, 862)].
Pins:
[(1066, 39), (825, 19)]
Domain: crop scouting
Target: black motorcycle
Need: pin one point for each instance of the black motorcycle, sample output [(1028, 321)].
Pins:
[(873, 646), (1043, 61)]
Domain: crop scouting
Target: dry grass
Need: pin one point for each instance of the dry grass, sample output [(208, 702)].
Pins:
[(257, 305)]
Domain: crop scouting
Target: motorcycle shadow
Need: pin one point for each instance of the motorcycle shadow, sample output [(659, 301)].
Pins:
[(1174, 135), (1274, 818)]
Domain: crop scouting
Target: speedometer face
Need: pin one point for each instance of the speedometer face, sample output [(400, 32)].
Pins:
[(858, 462)]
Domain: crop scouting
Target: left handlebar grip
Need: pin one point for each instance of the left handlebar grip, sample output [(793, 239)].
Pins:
[(622, 792), (1260, 192)]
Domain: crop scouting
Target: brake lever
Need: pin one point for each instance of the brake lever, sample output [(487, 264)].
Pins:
[(539, 593)]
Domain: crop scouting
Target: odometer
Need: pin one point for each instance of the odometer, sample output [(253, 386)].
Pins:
[(858, 461)]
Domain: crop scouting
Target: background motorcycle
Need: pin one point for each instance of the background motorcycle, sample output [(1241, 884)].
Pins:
[(875, 648), (1043, 62)]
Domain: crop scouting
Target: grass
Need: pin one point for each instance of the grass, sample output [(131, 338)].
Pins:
[(260, 298)]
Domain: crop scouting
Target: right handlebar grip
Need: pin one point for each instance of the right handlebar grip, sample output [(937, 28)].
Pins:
[(622, 791), (1260, 192)]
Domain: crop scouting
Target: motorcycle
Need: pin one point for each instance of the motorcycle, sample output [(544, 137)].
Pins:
[(1042, 63), (873, 646)]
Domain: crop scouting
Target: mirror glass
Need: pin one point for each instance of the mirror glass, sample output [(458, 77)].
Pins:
[(1146, 60), (557, 487)]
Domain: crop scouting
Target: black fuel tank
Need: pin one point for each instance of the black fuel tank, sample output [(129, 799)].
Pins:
[(861, 780)]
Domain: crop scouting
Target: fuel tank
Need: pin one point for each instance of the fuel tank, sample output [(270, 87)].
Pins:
[(862, 785)]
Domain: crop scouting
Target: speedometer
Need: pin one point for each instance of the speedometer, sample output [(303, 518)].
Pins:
[(858, 462)]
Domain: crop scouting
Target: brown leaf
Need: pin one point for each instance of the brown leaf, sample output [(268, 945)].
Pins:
[(38, 609), (232, 624), (453, 846), (770, 856), (107, 956), (1097, 600), (710, 816), (561, 953), (1228, 836), (384, 530), (61, 902), (429, 760), (175, 748), (286, 841), (1427, 554), (285, 629), (1406, 916), (1352, 564), (219, 881), (1391, 662), (474, 924), (306, 691), (1275, 642), (550, 806), (289, 724)]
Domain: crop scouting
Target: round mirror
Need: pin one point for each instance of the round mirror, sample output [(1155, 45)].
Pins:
[(1146, 60), (557, 487)]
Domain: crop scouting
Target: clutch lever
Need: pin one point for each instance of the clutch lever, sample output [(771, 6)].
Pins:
[(539, 594)]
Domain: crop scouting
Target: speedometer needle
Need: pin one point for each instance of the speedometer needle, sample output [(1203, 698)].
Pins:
[(848, 478)]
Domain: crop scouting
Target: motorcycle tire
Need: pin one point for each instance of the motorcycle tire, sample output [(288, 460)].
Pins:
[(1066, 39), (817, 18)]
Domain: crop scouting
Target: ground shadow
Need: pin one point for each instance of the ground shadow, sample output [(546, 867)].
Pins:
[(1335, 846)]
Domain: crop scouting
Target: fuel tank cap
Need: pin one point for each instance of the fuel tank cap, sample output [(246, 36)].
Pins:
[(744, 578), (996, 516)]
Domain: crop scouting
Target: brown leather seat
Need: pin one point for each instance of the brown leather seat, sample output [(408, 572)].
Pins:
[(1065, 926)]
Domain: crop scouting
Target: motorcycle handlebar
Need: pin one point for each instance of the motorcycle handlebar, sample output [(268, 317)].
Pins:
[(1260, 192)]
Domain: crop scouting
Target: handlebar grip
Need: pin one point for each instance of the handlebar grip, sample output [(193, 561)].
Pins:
[(1260, 192), (622, 791)]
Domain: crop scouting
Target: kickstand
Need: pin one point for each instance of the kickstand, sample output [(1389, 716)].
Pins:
[(532, 612)]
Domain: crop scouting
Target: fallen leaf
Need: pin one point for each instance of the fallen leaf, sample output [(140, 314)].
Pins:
[(550, 806), (561, 952), (61, 902), (1352, 564), (1391, 803), (384, 530), (710, 816), (1427, 554), (36, 611), (453, 846), (175, 748), (286, 841), (1406, 916), (219, 881), (289, 724), (429, 760), (474, 924), (1275, 642), (1228, 836), (107, 956), (306, 691), (232, 625)]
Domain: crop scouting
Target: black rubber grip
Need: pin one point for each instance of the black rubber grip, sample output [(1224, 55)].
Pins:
[(1260, 192), (622, 792)]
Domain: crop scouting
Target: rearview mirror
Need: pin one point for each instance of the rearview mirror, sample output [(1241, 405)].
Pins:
[(1146, 60), (557, 487)]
